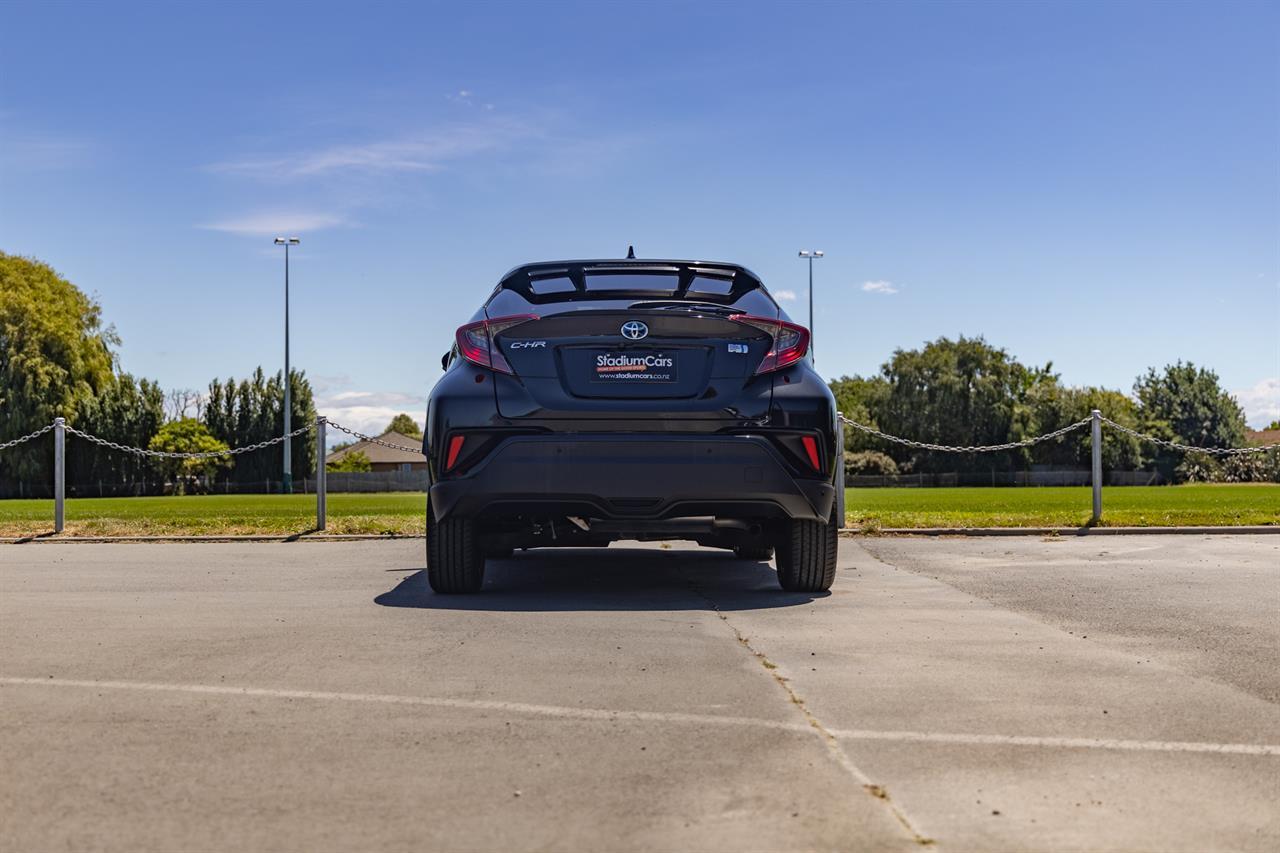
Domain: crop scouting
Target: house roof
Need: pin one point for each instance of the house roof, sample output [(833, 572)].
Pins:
[(380, 453), (1262, 437)]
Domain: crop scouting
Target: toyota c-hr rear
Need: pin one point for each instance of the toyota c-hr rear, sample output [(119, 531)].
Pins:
[(592, 401)]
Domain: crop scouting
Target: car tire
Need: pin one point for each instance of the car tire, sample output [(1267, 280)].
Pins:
[(760, 553), (807, 555), (455, 563)]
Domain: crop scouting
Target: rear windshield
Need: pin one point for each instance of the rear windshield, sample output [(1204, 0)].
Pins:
[(553, 284), (666, 283), (706, 285)]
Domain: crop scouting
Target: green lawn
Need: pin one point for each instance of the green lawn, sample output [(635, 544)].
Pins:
[(390, 512), (868, 509), (1064, 506)]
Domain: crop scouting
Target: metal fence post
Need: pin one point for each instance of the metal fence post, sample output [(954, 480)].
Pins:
[(1096, 441), (320, 472), (59, 473)]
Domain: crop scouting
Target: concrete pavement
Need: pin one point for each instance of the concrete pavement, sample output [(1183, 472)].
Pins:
[(975, 695)]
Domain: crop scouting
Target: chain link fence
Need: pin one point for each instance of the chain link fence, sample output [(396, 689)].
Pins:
[(1095, 421)]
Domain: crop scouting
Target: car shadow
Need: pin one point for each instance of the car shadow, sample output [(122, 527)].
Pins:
[(586, 579)]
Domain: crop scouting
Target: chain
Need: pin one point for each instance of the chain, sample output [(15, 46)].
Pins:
[(18, 441), (1212, 451), (166, 454), (372, 440), (923, 445), (992, 448), (986, 448)]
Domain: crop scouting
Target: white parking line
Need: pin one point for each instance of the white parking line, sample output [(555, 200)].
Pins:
[(429, 701), (1060, 742), (566, 712)]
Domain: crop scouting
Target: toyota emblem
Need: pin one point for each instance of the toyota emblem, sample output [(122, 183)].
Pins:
[(634, 330)]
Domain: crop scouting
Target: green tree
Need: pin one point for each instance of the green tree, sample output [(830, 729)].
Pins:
[(1061, 406), (860, 400), (356, 460), (251, 411), (126, 411), (404, 425), (188, 435), (1187, 404), (962, 392), (1272, 425), (55, 355)]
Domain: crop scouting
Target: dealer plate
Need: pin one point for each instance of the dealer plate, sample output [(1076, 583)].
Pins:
[(633, 367)]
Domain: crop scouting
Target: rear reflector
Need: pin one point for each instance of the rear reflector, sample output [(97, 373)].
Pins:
[(790, 341), (476, 341), (811, 449), (455, 447)]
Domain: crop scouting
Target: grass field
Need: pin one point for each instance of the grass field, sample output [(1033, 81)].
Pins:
[(392, 512), (1053, 506), (868, 509)]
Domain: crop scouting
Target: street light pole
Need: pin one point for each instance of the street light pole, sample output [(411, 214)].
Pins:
[(811, 255), (287, 484)]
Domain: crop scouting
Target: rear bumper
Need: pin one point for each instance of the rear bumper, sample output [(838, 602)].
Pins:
[(635, 477)]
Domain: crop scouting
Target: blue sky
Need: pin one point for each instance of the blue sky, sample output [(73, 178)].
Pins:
[(1096, 185)]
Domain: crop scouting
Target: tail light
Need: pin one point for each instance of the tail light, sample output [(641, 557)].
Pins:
[(455, 447), (463, 451), (476, 341), (803, 450), (811, 450), (790, 341)]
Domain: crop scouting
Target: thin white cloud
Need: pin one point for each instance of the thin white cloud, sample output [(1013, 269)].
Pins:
[(43, 152), (466, 98), (885, 287), (370, 398), (368, 412), (1261, 403), (269, 224), (426, 151), (785, 295)]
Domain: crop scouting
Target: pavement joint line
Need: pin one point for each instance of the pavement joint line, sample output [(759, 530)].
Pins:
[(829, 741), (1266, 750)]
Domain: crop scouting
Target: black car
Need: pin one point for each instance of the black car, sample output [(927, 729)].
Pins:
[(592, 401)]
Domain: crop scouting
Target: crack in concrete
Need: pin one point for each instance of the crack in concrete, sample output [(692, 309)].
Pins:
[(824, 734)]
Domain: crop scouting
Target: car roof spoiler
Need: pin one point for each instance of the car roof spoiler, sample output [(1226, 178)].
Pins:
[(521, 278)]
